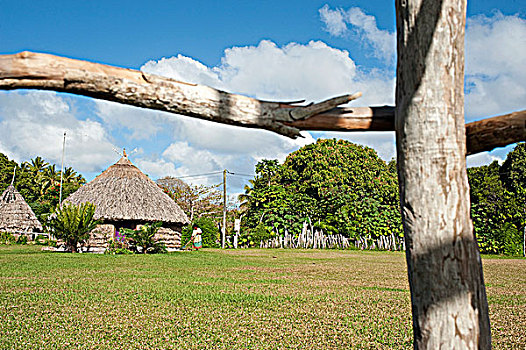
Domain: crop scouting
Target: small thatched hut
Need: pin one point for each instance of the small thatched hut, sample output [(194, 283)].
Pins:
[(125, 197), (16, 215)]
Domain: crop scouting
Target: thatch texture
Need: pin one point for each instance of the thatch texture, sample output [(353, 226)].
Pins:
[(124, 193), (15, 214)]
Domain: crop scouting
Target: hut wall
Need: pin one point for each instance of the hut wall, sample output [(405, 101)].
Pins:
[(99, 238), (170, 236)]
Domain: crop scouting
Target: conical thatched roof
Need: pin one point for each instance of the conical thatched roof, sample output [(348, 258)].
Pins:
[(15, 214), (123, 192)]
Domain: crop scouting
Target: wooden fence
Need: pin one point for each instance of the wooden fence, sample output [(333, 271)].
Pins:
[(316, 239)]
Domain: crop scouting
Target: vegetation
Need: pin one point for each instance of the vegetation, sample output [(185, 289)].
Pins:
[(72, 224), (339, 186), (39, 183), (210, 233), (498, 203), (142, 240), (195, 201), (344, 188), (249, 299)]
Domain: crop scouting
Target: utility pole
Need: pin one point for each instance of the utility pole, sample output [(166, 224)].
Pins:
[(14, 175), (62, 171), (223, 227)]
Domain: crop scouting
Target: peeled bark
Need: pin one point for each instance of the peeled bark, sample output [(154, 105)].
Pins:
[(448, 296)]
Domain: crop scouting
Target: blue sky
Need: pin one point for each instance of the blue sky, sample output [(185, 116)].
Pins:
[(267, 49)]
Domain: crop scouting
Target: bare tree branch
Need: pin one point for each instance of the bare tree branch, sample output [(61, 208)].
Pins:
[(486, 134), (27, 70)]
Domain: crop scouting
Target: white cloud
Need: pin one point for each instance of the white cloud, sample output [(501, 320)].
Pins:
[(155, 168), (136, 123), (363, 26), (495, 61), (185, 69), (334, 21), (312, 71), (33, 124), (482, 159)]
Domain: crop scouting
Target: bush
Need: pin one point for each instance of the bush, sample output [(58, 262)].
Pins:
[(118, 244), (210, 232), (22, 239), (7, 238), (41, 240), (253, 237), (143, 241), (73, 224)]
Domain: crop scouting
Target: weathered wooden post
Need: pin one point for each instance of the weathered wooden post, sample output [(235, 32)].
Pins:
[(448, 296)]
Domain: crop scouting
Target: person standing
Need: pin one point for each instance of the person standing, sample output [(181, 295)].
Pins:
[(197, 239)]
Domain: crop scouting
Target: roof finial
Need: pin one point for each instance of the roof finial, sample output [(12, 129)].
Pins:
[(14, 174), (124, 153)]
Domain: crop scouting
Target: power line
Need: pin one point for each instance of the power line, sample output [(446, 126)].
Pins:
[(239, 174), (199, 175)]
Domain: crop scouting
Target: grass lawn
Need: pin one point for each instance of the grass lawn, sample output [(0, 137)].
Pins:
[(213, 299)]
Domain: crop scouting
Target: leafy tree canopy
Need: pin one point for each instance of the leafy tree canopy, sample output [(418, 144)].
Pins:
[(39, 183), (498, 203), (341, 187)]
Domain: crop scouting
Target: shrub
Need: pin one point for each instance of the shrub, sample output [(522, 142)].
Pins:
[(119, 244), (73, 224), (210, 233), (7, 238), (143, 241), (22, 239), (41, 240), (253, 237)]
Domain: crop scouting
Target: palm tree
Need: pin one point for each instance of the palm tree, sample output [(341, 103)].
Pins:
[(51, 175), (37, 165), (245, 198), (69, 175)]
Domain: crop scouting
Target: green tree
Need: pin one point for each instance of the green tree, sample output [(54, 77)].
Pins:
[(73, 224), (498, 203), (6, 171), (341, 187)]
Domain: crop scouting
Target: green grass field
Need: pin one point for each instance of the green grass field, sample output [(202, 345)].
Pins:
[(213, 299)]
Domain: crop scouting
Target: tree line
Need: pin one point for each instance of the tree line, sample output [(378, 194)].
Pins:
[(39, 183), (343, 188), (334, 185)]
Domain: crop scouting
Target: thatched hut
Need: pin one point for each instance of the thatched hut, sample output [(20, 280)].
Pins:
[(16, 215), (125, 197)]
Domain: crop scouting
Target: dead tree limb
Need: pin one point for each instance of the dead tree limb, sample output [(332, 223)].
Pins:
[(486, 134), (27, 70)]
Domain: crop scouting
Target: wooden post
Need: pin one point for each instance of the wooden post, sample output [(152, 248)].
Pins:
[(448, 296)]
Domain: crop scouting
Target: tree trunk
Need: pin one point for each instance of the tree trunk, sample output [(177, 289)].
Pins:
[(448, 296)]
